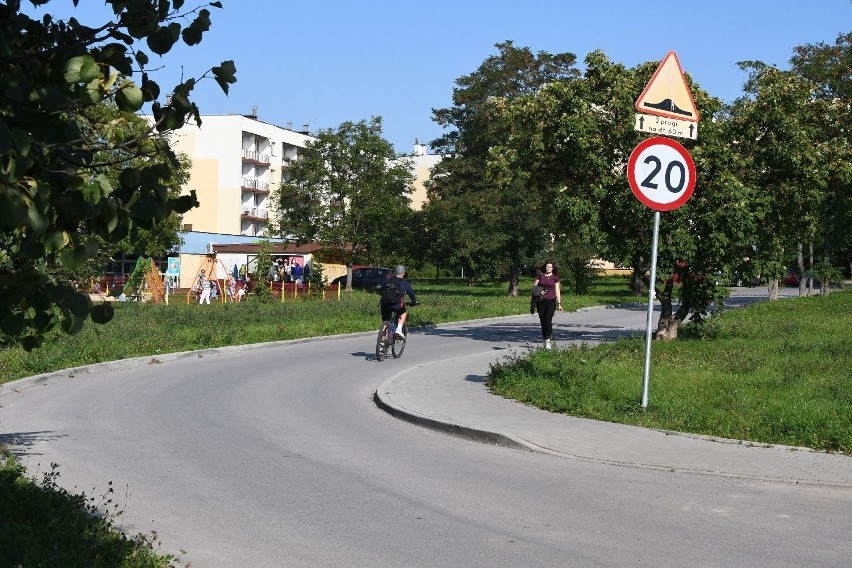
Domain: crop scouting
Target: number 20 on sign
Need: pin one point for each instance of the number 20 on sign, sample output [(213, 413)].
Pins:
[(661, 173)]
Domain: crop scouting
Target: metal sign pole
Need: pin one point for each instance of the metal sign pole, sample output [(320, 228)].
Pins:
[(651, 289)]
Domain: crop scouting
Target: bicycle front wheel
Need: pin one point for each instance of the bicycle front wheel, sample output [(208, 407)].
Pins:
[(399, 343), (382, 341)]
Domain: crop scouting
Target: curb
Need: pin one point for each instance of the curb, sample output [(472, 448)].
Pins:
[(474, 434)]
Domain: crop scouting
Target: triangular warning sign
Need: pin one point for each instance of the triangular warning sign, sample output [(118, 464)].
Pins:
[(667, 94)]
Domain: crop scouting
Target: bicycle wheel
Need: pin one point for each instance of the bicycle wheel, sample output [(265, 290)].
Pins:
[(382, 341), (399, 344)]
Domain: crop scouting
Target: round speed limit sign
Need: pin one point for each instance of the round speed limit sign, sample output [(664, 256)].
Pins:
[(661, 173)]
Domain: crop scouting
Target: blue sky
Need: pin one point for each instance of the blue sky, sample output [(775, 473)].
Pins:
[(323, 62)]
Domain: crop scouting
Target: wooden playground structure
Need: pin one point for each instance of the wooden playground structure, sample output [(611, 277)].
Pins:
[(208, 265)]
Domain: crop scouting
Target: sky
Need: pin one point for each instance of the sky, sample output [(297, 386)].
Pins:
[(324, 62)]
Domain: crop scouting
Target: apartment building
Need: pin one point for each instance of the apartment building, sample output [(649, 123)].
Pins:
[(236, 161)]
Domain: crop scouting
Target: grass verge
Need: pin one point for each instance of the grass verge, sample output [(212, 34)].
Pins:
[(45, 525), (775, 372)]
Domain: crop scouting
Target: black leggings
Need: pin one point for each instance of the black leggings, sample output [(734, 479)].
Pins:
[(546, 309)]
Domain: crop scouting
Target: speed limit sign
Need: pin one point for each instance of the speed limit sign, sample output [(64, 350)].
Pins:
[(661, 173)]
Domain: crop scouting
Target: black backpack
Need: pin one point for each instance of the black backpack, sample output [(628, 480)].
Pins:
[(391, 292)]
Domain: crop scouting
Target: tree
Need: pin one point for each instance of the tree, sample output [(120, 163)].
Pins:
[(55, 200), (474, 223), (827, 68), (777, 130), (347, 190)]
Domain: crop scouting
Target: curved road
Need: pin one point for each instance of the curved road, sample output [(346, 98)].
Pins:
[(276, 455)]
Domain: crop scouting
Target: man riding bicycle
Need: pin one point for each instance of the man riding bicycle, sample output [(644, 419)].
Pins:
[(393, 298)]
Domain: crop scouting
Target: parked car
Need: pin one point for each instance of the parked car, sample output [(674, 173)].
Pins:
[(366, 277)]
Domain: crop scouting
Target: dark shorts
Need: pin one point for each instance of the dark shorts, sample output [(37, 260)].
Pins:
[(386, 310)]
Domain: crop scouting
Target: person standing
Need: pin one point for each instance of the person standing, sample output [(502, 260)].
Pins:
[(551, 299), (204, 287)]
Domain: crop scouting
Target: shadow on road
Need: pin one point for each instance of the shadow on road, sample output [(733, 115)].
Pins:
[(21, 443)]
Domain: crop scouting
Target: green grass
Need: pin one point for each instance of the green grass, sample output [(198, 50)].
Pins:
[(45, 525), (148, 329), (776, 373)]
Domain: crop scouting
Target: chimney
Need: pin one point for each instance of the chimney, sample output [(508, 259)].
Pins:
[(305, 129), (253, 112)]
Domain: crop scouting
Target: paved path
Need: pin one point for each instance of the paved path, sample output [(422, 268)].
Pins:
[(452, 396)]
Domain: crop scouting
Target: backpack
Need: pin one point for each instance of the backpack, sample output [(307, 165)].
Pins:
[(391, 292)]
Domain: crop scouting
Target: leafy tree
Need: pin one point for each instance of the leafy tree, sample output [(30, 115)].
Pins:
[(777, 129), (474, 222), (262, 283), (55, 199), (347, 190), (827, 68)]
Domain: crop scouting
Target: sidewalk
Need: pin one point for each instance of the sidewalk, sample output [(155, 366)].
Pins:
[(451, 396)]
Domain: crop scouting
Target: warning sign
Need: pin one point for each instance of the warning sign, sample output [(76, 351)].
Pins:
[(667, 93)]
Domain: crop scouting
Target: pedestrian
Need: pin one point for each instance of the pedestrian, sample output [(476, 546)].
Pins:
[(551, 299), (204, 287), (297, 273)]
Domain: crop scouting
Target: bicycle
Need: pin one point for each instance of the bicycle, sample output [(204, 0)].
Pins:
[(388, 340)]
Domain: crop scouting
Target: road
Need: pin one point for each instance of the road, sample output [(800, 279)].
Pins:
[(277, 456)]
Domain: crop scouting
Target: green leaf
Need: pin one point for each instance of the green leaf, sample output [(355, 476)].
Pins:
[(12, 324), (31, 342), (81, 69), (102, 313), (129, 98), (192, 34), (55, 240), (225, 74), (162, 41), (115, 55), (71, 324), (36, 220), (78, 304), (74, 256), (14, 210)]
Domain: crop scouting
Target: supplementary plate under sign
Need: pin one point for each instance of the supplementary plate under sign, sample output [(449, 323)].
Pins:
[(666, 126)]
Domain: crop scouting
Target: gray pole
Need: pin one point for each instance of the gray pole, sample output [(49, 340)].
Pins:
[(651, 288)]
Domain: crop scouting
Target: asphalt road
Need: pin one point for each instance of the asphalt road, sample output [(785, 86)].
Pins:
[(278, 456)]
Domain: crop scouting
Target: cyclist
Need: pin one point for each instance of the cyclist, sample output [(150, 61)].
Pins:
[(393, 298)]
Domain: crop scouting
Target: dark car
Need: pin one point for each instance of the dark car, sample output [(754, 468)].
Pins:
[(365, 278)]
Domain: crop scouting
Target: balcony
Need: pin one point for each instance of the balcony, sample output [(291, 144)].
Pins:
[(255, 185), (255, 214), (255, 157)]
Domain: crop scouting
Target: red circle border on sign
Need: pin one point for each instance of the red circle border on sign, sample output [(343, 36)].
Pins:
[(690, 165)]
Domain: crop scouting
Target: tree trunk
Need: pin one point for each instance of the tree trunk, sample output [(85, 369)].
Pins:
[(638, 276), (772, 286), (800, 270), (667, 329), (514, 282), (811, 268), (669, 322)]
